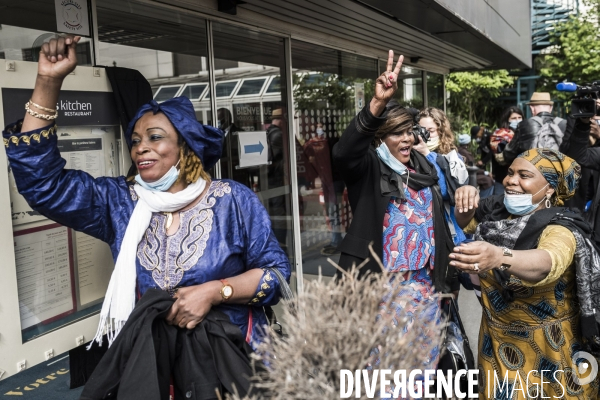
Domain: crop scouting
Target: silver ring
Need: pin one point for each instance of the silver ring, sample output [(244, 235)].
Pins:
[(476, 267)]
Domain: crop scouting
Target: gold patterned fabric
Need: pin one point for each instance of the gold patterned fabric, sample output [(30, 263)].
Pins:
[(534, 337), (560, 243), (36, 137)]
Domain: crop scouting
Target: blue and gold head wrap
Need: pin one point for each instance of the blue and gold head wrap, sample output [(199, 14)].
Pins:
[(561, 172), (204, 140)]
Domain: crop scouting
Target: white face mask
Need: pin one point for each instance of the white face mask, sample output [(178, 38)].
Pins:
[(521, 204), (164, 183), (433, 143), (383, 152), (320, 131)]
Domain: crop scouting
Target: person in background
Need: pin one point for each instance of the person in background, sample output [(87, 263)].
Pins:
[(441, 138), (230, 157), (318, 150), (277, 173), (509, 121), (481, 136), (441, 152), (578, 147), (541, 106), (541, 130), (464, 141), (486, 184), (590, 177)]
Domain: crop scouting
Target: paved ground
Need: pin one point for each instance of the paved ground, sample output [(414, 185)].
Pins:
[(470, 313)]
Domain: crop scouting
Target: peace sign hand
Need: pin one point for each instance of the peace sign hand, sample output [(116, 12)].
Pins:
[(386, 85)]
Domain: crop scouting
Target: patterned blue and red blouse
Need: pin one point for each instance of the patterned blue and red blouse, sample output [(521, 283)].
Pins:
[(408, 241)]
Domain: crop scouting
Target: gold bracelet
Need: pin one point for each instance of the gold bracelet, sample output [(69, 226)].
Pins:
[(41, 108), (38, 115)]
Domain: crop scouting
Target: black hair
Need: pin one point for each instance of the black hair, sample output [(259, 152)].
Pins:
[(504, 123)]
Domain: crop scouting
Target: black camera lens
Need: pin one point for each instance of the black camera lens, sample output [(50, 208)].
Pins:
[(420, 133), (583, 108)]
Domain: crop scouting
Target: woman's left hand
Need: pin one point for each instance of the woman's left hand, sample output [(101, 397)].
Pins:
[(476, 257), (466, 198), (193, 303), (421, 147)]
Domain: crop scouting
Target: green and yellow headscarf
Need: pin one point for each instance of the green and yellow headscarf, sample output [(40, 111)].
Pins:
[(561, 172)]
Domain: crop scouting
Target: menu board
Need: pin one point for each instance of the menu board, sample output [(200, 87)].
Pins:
[(45, 280)]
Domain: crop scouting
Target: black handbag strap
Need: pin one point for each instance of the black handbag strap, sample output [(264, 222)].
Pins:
[(451, 310), (453, 314)]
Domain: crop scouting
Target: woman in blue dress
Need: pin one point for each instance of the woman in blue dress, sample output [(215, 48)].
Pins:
[(207, 242)]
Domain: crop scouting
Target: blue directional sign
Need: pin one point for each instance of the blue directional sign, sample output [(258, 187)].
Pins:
[(254, 148)]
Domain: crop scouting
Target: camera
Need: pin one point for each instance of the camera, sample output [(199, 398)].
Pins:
[(420, 133), (583, 104)]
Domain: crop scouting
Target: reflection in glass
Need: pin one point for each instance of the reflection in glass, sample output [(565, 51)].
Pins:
[(410, 87), (168, 49), (166, 92), (435, 90), (274, 86), (194, 91), (244, 62), (251, 86), (24, 44), (224, 89), (330, 87)]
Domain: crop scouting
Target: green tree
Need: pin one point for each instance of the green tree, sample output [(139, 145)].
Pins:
[(574, 54), (472, 97)]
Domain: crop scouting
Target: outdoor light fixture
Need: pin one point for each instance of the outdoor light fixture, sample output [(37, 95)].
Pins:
[(229, 6)]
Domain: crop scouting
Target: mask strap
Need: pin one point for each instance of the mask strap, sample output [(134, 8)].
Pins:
[(178, 161), (541, 189), (543, 199)]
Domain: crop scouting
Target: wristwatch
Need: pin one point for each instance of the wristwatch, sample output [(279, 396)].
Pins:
[(506, 253), (226, 290)]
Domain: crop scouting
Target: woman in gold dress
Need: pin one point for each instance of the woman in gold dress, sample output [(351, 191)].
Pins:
[(526, 252)]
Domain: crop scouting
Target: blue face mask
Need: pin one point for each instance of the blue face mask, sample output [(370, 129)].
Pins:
[(163, 184), (513, 125), (384, 155), (521, 204)]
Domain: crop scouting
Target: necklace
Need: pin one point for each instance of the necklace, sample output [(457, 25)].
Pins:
[(169, 220)]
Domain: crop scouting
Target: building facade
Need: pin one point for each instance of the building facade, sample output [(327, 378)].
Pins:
[(305, 66)]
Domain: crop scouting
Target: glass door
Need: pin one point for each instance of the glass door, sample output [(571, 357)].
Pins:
[(250, 91), (330, 87)]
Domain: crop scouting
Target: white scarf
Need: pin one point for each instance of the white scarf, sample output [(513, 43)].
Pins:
[(120, 295)]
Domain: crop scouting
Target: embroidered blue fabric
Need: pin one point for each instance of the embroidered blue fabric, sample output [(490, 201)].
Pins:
[(460, 235), (227, 233)]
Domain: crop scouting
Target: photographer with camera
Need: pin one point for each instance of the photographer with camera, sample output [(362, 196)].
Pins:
[(439, 149), (540, 131), (581, 145)]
